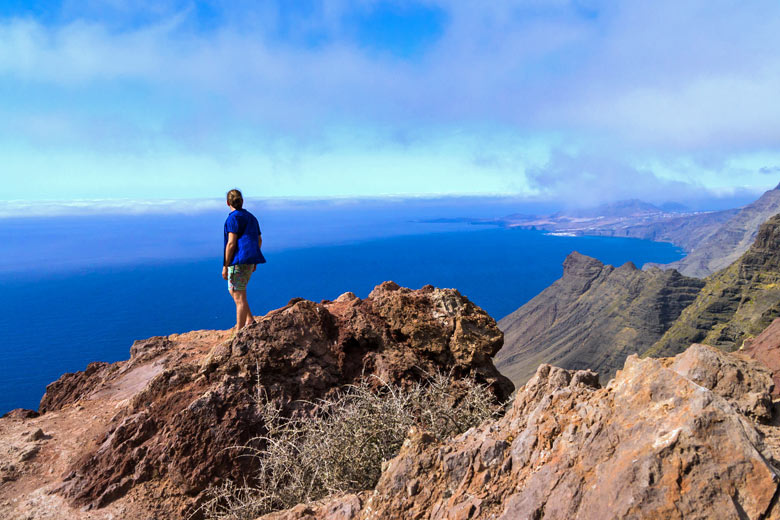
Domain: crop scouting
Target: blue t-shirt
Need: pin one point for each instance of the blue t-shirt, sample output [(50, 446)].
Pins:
[(245, 225)]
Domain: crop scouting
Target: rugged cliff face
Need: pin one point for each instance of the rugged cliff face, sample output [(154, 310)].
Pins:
[(143, 438), (687, 437), (593, 318), (717, 250), (736, 303)]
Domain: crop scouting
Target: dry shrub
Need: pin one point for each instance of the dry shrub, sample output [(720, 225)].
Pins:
[(342, 446)]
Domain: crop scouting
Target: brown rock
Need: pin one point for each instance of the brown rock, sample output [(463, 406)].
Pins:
[(20, 413), (344, 507), (652, 444), (744, 382), (164, 424), (70, 388)]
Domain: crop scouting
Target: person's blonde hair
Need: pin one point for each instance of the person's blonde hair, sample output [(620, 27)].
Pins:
[(235, 199)]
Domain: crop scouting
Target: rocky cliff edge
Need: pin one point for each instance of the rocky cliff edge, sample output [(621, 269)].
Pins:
[(144, 438)]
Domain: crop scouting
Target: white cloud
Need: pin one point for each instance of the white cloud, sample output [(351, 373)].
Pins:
[(637, 79), (84, 207)]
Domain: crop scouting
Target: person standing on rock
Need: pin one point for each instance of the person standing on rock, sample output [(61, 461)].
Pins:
[(242, 254)]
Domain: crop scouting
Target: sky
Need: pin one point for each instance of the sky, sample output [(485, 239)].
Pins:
[(580, 102)]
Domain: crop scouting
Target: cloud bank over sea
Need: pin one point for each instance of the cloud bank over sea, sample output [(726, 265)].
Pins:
[(370, 98)]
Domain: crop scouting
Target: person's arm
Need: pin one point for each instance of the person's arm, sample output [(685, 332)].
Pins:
[(230, 252)]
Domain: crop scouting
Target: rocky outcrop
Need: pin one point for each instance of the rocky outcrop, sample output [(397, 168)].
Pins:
[(143, 438), (673, 438), (736, 303), (592, 318), (730, 240)]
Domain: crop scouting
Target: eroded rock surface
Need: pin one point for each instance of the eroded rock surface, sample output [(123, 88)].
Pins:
[(670, 438), (143, 438)]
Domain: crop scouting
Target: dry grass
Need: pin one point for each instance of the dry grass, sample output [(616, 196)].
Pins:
[(341, 448)]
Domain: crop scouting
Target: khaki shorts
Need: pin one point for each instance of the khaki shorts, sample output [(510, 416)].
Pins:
[(238, 276)]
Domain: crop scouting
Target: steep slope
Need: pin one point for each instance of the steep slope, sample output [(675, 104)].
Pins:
[(736, 303), (593, 317), (722, 247), (676, 439), (143, 438)]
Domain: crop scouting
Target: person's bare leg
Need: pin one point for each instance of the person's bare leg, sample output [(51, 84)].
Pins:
[(239, 310), (243, 313), (248, 318)]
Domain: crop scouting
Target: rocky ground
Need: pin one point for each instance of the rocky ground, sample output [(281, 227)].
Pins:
[(38, 453), (142, 439), (694, 436)]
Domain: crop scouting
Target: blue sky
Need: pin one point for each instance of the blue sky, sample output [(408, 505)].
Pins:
[(575, 101)]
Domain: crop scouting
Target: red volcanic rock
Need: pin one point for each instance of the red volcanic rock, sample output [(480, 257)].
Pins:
[(766, 348), (20, 413), (146, 436), (667, 439)]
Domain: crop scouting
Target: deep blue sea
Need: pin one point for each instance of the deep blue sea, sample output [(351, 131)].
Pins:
[(76, 290)]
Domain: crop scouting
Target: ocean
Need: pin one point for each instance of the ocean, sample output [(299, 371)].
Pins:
[(81, 289)]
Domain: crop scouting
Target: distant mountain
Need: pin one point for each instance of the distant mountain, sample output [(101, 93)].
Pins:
[(592, 318), (736, 303), (623, 208), (630, 218), (675, 207), (685, 231), (713, 240), (710, 252)]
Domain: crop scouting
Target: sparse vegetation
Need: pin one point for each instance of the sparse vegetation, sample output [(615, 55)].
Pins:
[(341, 448)]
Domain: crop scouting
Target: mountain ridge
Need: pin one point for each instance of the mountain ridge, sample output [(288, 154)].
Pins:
[(736, 303), (727, 243), (593, 317)]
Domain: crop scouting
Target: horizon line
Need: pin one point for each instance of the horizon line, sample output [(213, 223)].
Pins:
[(21, 208)]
